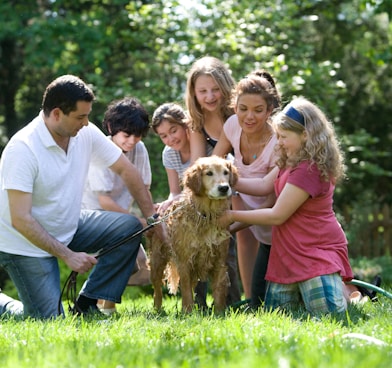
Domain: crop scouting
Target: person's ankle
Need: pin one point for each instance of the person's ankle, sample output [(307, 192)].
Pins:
[(106, 304)]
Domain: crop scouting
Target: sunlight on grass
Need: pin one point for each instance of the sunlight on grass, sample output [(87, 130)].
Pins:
[(139, 337)]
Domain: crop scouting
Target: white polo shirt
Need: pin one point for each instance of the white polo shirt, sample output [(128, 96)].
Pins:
[(32, 162)]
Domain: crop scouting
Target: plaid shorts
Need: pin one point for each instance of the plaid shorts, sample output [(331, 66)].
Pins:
[(321, 294)]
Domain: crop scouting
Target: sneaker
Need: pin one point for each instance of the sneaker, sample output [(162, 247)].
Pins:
[(140, 278), (108, 311), (91, 311), (371, 294), (376, 282), (10, 305)]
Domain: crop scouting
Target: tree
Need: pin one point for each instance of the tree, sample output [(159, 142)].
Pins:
[(336, 53)]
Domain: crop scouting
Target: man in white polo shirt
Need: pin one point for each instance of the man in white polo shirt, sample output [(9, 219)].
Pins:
[(42, 174)]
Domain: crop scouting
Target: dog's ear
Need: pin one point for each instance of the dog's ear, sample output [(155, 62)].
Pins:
[(193, 179), (233, 174)]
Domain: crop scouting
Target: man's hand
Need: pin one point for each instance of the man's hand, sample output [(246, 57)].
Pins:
[(23, 221), (80, 262)]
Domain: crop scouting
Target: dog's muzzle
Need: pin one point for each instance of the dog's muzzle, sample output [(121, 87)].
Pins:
[(223, 189), (220, 191)]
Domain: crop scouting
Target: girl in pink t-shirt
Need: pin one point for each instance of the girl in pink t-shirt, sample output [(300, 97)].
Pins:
[(309, 257)]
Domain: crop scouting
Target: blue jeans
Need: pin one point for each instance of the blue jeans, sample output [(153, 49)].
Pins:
[(38, 279)]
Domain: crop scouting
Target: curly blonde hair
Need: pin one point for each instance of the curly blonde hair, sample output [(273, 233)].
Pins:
[(214, 68), (321, 147)]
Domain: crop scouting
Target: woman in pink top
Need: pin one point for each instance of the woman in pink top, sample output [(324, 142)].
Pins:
[(249, 135), (309, 257)]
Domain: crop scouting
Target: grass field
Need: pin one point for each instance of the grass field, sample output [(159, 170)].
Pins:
[(139, 337)]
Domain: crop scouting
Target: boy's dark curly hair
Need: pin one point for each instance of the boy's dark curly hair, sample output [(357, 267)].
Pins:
[(126, 115)]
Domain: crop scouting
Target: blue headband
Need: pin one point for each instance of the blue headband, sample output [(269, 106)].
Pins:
[(294, 114)]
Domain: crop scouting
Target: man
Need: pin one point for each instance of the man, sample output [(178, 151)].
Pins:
[(42, 174)]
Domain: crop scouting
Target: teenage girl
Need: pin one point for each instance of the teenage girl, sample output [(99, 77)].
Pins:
[(207, 98), (249, 135)]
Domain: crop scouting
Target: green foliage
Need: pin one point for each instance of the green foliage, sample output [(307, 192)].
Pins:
[(336, 53), (365, 269)]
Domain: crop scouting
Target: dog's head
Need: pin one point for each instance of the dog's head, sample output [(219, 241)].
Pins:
[(211, 176)]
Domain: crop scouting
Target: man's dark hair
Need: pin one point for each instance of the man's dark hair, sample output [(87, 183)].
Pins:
[(127, 115), (64, 92)]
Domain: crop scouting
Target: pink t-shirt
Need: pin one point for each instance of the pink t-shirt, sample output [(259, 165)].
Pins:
[(311, 242), (257, 169)]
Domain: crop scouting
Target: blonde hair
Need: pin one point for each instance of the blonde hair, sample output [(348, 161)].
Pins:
[(214, 68), (321, 146)]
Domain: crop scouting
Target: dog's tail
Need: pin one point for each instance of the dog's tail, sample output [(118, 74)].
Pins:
[(172, 277)]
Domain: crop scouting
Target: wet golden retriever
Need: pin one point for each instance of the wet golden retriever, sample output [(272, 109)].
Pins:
[(198, 246)]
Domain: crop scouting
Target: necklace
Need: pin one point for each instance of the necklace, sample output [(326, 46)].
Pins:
[(259, 146)]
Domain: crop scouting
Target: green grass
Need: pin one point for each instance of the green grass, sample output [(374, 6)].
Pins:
[(139, 337)]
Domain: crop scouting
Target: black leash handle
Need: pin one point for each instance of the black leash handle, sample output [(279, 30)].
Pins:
[(104, 251), (70, 283)]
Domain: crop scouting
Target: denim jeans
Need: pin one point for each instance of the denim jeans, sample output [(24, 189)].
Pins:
[(38, 279)]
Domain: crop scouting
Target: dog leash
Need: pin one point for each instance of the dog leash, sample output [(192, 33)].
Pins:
[(70, 284)]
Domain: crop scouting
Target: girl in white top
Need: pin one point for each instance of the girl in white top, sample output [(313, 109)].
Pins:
[(170, 123), (127, 122)]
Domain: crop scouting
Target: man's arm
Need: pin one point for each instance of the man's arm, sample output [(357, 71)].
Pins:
[(20, 204), (132, 179)]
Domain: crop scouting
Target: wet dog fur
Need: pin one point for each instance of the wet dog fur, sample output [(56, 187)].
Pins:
[(197, 245)]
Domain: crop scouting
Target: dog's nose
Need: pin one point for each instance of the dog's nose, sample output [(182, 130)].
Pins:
[(223, 188)]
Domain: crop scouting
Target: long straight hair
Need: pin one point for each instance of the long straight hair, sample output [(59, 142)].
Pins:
[(214, 68)]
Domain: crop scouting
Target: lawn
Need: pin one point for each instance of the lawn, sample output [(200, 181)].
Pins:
[(139, 337)]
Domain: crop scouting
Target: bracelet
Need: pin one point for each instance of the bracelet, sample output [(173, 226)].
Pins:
[(152, 219)]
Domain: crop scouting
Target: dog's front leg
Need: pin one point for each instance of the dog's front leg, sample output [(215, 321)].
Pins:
[(158, 261), (219, 285), (186, 292)]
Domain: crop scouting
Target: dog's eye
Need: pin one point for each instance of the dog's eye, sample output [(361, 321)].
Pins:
[(209, 173), (226, 172)]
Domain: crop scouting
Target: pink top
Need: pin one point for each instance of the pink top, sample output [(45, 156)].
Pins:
[(311, 242), (257, 169)]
